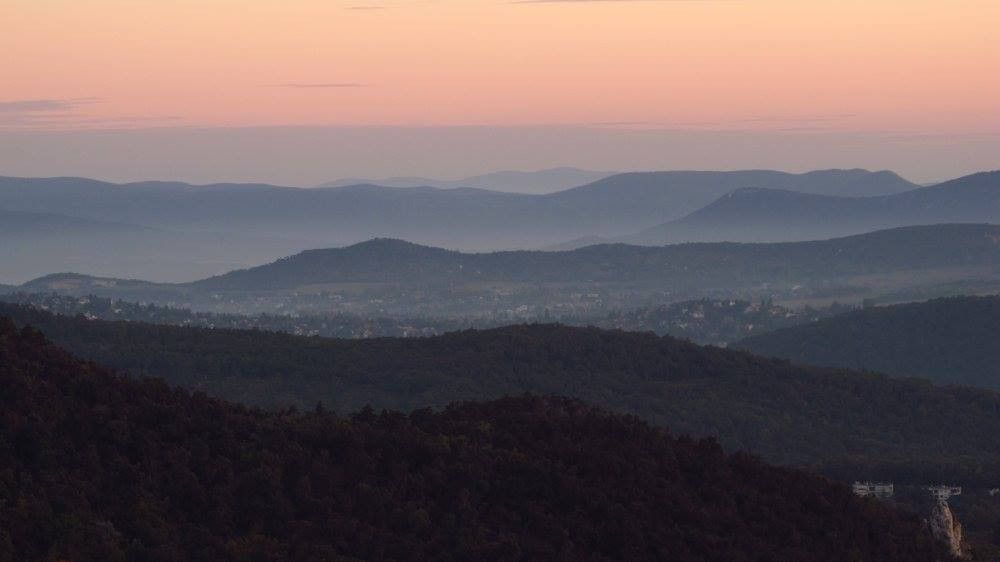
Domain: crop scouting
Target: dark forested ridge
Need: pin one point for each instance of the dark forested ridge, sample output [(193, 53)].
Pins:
[(850, 423), (951, 340), (94, 466)]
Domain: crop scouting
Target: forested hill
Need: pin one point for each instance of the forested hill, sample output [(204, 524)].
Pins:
[(950, 340), (94, 466), (787, 414), (717, 264)]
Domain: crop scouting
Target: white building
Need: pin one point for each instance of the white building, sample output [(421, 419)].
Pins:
[(876, 489), (942, 493)]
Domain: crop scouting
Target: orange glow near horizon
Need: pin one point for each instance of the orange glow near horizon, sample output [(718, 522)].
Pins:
[(913, 65)]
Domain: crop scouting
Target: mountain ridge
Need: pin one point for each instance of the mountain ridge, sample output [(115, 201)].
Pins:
[(464, 218), (617, 262), (777, 215), (929, 254)]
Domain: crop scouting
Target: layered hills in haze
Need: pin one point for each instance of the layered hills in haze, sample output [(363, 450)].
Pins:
[(465, 218), (768, 214), (391, 276), (214, 228), (722, 264)]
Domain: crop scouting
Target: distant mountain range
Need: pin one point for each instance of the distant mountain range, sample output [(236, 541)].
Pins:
[(949, 341), (775, 215), (537, 183), (464, 218), (214, 228)]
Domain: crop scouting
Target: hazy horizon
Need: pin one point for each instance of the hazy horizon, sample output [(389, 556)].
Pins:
[(305, 92), (308, 156)]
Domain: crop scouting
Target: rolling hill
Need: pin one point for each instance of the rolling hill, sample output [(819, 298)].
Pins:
[(101, 467), (949, 341), (845, 423), (386, 277), (774, 215), (683, 265)]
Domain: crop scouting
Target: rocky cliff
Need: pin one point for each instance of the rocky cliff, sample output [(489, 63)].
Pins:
[(946, 527)]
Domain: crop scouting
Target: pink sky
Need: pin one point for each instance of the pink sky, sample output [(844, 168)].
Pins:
[(914, 65), (896, 71)]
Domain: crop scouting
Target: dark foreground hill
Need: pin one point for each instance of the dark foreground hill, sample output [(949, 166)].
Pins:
[(952, 340), (94, 466), (849, 424)]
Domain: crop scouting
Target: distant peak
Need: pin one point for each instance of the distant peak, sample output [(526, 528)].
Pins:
[(385, 243), (989, 177), (66, 275), (394, 246)]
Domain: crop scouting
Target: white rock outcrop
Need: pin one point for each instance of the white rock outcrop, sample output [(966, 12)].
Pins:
[(946, 527)]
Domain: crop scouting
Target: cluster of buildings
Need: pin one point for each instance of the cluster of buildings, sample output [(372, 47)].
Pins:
[(874, 489), (940, 492)]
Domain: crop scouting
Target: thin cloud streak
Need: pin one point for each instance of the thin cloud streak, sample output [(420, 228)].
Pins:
[(45, 105), (62, 122), (323, 85), (810, 122), (54, 114)]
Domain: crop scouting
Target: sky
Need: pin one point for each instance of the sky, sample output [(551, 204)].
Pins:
[(608, 84)]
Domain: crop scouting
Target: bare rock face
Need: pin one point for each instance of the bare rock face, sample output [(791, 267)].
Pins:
[(946, 527)]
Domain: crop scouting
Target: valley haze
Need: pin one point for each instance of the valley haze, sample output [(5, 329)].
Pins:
[(225, 226)]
